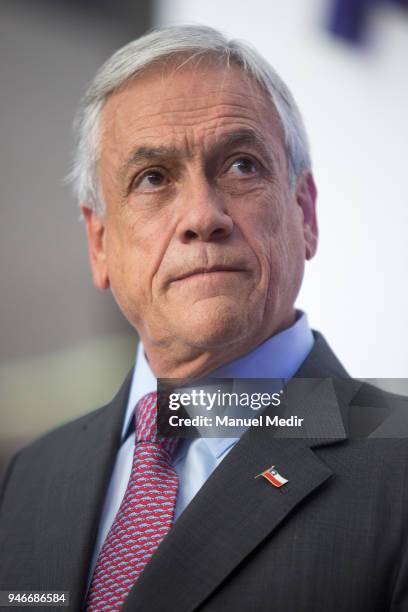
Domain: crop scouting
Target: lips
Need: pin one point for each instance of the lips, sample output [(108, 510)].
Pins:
[(207, 270)]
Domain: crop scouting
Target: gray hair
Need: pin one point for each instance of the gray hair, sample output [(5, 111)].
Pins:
[(154, 47)]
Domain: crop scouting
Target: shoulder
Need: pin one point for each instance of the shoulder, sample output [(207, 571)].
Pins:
[(373, 395), (71, 442), (48, 447), (385, 412)]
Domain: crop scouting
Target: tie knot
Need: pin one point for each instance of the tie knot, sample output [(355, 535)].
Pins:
[(146, 424)]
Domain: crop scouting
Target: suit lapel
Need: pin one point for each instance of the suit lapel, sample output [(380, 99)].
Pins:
[(89, 449), (231, 514), (234, 512)]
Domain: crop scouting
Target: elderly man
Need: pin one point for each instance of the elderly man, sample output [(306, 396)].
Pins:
[(194, 178)]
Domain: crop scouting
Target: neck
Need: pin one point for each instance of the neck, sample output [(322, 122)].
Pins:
[(189, 362)]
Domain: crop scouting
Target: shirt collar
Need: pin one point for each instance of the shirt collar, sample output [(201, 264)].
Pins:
[(278, 357)]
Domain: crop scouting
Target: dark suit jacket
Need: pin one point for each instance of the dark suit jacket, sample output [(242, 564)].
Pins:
[(333, 539)]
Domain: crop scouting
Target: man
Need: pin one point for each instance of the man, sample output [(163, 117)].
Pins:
[(195, 183)]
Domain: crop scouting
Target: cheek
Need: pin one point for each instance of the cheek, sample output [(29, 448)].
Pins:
[(290, 259), (277, 241), (135, 253), (127, 269), (266, 237)]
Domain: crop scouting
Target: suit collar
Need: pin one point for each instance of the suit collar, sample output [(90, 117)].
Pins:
[(88, 469), (234, 512), (229, 517), (321, 362)]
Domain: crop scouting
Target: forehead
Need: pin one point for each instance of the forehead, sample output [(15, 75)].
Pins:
[(185, 104)]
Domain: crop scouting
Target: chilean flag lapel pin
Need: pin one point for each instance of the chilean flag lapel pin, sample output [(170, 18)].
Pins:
[(272, 475)]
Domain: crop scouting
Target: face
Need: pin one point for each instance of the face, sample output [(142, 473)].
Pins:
[(203, 241)]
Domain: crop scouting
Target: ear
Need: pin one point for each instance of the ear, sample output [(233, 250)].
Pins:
[(96, 233), (306, 195)]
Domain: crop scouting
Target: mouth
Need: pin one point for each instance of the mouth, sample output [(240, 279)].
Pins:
[(211, 272)]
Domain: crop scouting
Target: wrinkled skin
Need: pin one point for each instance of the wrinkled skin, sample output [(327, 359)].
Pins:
[(194, 175)]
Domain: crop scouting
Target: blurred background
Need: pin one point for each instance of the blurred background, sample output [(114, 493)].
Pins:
[(65, 347)]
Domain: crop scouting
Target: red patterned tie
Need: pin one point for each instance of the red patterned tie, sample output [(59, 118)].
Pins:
[(144, 517)]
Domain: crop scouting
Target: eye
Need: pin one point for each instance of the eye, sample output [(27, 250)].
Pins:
[(243, 166), (150, 180)]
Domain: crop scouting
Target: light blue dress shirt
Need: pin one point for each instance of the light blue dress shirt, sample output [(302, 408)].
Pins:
[(278, 357)]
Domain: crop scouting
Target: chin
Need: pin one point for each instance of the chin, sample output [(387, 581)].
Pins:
[(209, 326)]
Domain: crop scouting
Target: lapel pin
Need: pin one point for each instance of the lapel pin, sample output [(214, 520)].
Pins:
[(272, 475)]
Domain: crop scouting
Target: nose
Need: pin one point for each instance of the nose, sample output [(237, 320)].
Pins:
[(204, 215)]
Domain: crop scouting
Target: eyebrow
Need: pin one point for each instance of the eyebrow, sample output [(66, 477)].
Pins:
[(245, 137), (238, 137)]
